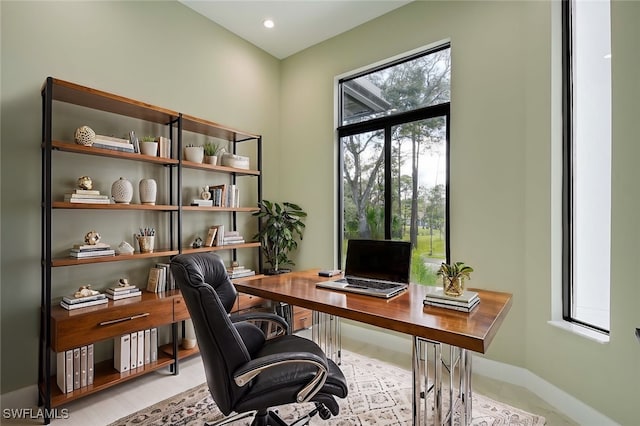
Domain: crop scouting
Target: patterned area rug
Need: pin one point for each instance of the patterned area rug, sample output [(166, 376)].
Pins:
[(379, 394)]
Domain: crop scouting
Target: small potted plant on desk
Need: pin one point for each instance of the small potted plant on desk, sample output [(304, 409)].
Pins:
[(211, 153), (281, 225), (453, 276)]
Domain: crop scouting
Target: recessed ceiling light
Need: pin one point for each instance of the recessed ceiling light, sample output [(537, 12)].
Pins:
[(268, 23)]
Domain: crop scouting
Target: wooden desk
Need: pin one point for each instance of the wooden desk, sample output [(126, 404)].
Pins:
[(404, 313)]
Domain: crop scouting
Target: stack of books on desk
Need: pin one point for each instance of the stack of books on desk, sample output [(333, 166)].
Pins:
[(87, 196), (466, 302), (239, 272), (70, 302), (123, 292), (83, 251)]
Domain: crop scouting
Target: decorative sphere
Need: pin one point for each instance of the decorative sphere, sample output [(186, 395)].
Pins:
[(92, 238), (85, 182), (85, 136)]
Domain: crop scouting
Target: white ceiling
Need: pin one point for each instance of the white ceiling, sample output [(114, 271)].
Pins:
[(298, 23)]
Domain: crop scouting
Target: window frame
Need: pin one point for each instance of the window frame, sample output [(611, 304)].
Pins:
[(386, 123), (568, 192)]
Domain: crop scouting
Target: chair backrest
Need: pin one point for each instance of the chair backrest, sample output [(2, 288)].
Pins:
[(210, 296)]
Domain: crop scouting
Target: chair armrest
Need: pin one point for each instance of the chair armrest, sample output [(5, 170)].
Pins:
[(251, 369), (267, 317)]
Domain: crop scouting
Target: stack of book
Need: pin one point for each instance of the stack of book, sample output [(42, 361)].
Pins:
[(202, 203), (239, 272), (232, 237), (466, 302), (160, 279), (123, 292), (83, 251), (88, 196), (116, 144), (70, 302)]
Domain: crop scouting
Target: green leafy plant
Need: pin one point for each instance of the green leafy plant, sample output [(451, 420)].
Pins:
[(281, 226), (455, 270), (148, 139), (211, 149)]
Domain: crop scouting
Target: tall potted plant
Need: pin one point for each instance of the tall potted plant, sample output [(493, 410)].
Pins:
[(281, 226)]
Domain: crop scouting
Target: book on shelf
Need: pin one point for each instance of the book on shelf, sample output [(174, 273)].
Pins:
[(160, 278), (70, 300), (201, 203), (90, 364), (76, 368), (242, 274), (122, 289), (140, 348), (211, 236), (85, 192), (64, 372), (133, 355), (111, 141), (83, 366), (87, 200), (113, 148), (89, 254), (86, 196), (91, 246), (164, 147), (124, 295), (218, 194), (122, 352), (70, 307)]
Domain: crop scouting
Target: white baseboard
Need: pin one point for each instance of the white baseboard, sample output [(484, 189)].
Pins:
[(565, 403)]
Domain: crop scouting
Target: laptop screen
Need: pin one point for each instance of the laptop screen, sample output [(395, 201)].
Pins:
[(379, 259)]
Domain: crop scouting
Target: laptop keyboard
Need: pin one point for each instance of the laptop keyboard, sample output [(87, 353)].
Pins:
[(370, 284)]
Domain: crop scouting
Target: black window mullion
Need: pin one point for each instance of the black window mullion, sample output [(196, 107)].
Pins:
[(387, 182)]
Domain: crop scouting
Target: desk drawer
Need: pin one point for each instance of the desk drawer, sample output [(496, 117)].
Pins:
[(247, 301), (301, 318), (180, 311), (72, 329)]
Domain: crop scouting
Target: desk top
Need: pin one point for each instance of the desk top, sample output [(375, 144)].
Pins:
[(404, 313)]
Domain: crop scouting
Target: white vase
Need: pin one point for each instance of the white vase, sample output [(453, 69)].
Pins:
[(147, 189), (122, 191)]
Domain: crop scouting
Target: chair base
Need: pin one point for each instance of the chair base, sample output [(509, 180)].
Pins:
[(271, 418)]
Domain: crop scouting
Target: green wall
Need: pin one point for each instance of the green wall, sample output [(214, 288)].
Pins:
[(504, 151), (505, 170), (161, 53)]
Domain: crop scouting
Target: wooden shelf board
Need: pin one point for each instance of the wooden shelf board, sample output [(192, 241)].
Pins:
[(210, 128), (216, 248), (80, 149), (105, 376), (119, 206), (182, 353), (76, 94), (71, 261), (221, 209), (221, 169)]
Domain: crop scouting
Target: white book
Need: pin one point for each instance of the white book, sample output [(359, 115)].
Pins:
[(134, 350), (154, 345), (90, 364), (127, 295), (110, 140), (96, 246), (147, 346), (438, 293), (75, 300), (202, 203), (220, 236), (83, 366), (122, 353), (83, 304), (86, 191), (76, 368), (90, 254), (64, 374), (86, 196), (140, 348), (454, 307)]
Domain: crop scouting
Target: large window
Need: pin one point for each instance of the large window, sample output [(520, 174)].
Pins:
[(587, 162), (394, 151)]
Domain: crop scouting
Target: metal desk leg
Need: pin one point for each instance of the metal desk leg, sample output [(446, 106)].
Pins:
[(326, 333)]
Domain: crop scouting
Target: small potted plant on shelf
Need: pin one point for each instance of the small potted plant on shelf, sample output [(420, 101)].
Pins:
[(194, 153), (211, 152), (148, 145), (453, 276), (281, 225)]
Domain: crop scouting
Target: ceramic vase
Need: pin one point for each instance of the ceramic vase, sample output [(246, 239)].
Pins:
[(122, 191), (194, 154), (147, 189)]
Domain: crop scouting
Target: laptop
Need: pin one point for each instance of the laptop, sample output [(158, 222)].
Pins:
[(379, 268)]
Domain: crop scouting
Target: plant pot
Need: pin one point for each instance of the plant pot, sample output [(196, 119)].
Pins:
[(149, 148), (211, 159), (194, 154), (453, 286)]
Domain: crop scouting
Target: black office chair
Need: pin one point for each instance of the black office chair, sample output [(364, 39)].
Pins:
[(248, 373)]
